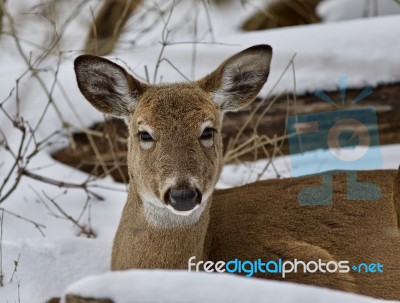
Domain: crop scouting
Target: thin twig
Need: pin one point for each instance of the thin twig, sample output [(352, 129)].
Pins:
[(1, 247), (82, 229), (164, 41), (18, 289), (16, 263), (39, 226), (84, 186)]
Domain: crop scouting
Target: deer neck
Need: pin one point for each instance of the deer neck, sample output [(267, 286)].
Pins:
[(158, 238)]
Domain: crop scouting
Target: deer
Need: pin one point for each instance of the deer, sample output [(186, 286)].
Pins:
[(173, 215)]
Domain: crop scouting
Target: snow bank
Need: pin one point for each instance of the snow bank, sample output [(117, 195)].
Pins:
[(142, 286), (247, 172), (367, 51), (337, 10), (46, 267)]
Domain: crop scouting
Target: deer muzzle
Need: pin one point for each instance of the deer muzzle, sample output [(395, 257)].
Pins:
[(183, 199)]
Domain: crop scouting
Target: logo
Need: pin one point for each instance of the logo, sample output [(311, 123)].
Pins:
[(281, 267), (346, 139)]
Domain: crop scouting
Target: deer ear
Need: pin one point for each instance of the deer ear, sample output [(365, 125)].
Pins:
[(107, 86), (238, 80)]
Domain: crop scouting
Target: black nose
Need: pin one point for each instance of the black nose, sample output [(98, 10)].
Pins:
[(183, 199)]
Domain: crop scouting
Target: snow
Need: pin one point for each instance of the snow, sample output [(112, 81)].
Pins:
[(46, 266), (338, 10), (143, 286), (239, 174), (365, 50)]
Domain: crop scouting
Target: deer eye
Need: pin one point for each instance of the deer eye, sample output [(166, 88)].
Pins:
[(208, 133), (145, 136)]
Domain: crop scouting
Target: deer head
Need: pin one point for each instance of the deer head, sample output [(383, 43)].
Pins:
[(175, 146)]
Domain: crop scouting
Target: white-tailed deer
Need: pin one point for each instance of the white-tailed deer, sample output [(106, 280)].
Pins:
[(175, 158)]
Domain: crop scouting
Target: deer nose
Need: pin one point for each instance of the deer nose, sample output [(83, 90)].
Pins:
[(183, 199)]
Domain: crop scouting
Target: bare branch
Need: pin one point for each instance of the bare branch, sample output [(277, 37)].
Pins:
[(1, 247), (88, 232), (84, 185), (16, 263), (37, 225)]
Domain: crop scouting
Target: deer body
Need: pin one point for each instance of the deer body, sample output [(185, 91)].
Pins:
[(274, 225), (174, 161)]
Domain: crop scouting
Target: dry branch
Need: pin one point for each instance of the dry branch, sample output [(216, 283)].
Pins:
[(1, 247), (83, 230), (108, 25), (37, 225), (16, 263)]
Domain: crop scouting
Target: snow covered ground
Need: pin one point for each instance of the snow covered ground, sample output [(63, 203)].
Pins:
[(50, 255), (177, 287), (338, 10)]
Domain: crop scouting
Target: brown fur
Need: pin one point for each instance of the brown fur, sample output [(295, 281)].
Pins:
[(151, 248), (259, 220), (271, 224)]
